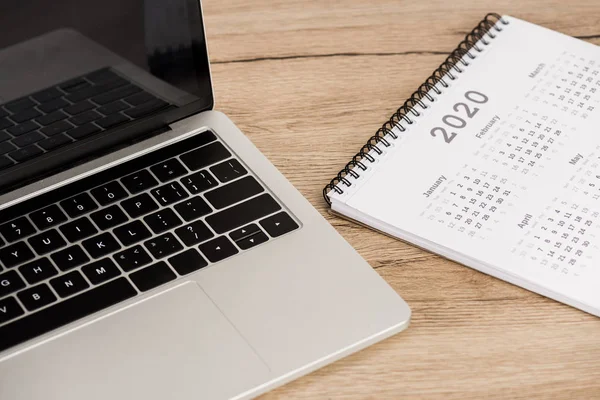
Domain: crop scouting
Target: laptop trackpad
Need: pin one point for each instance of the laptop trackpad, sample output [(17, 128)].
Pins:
[(176, 345)]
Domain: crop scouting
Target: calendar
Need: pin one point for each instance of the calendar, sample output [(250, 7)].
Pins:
[(498, 166)]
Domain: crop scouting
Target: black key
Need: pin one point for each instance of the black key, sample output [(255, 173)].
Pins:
[(69, 284), (83, 131), (279, 224), (228, 170), (101, 271), (47, 217), (20, 105), (80, 107), (38, 270), (26, 115), (109, 193), (113, 108), (28, 139), (56, 128), (132, 258), (55, 142), (53, 105), (169, 194), (162, 220), (74, 85), (3, 112), (36, 297), (168, 170), (65, 312), (78, 229), (132, 233), (199, 182), (112, 120), (17, 229), (234, 192), (22, 129), (9, 309), (139, 98), (146, 108), (1, 242), (52, 118), (193, 208), (15, 254), (5, 123), (10, 282), (244, 232), (26, 153), (46, 95), (78, 205), (5, 162), (205, 156), (243, 213), (5, 147), (163, 246), (152, 276), (109, 217), (139, 205), (252, 241), (70, 258), (85, 118), (218, 249), (101, 245), (194, 233), (111, 96), (187, 262), (47, 241), (139, 181), (4, 136)]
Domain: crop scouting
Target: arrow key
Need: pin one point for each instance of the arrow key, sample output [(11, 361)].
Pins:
[(218, 249), (252, 241), (279, 224), (244, 232)]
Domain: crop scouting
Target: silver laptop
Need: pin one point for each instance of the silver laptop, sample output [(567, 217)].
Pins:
[(147, 249)]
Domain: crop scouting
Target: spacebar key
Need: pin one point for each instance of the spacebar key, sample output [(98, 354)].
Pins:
[(65, 312), (243, 213)]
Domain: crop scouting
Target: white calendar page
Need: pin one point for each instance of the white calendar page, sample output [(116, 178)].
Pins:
[(502, 171)]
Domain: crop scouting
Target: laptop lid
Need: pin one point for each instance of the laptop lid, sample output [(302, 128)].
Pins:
[(158, 46)]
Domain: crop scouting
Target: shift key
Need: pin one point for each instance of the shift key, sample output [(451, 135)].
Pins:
[(243, 213)]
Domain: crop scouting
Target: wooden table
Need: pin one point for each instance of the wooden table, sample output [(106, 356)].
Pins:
[(309, 81)]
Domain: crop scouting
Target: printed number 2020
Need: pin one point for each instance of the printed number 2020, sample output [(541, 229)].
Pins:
[(456, 122)]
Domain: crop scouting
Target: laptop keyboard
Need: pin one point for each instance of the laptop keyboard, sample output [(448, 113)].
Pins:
[(68, 112), (109, 237)]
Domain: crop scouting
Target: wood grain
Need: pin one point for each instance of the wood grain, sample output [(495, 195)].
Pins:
[(309, 82)]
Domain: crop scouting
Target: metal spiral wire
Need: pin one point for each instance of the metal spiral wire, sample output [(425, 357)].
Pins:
[(454, 64)]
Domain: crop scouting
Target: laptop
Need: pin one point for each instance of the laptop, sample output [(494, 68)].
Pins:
[(147, 249)]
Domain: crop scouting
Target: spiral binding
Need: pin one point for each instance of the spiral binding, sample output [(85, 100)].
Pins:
[(448, 68)]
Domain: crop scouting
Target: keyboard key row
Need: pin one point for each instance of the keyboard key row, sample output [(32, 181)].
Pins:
[(135, 207), (159, 222)]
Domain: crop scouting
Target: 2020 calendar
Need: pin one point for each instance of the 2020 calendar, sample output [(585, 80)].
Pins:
[(494, 162)]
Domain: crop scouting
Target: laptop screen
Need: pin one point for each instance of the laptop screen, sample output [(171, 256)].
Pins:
[(158, 45)]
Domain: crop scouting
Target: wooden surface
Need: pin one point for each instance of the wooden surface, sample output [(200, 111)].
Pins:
[(309, 82)]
